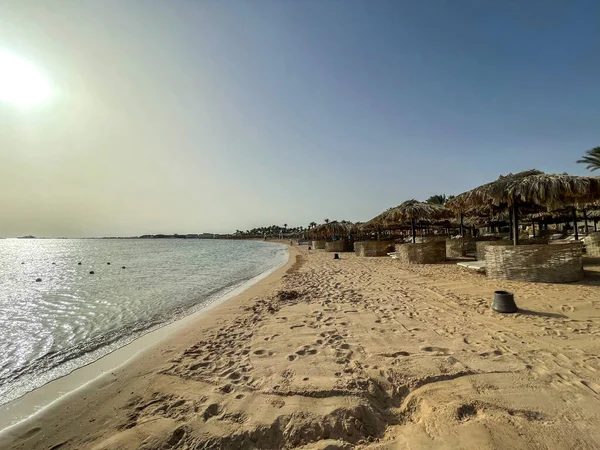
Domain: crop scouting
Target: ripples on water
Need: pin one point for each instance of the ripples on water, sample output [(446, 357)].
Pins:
[(72, 318)]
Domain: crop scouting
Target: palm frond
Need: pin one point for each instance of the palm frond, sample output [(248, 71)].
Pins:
[(592, 159)]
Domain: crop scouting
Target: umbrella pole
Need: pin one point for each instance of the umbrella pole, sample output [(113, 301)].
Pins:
[(462, 228), (510, 224), (587, 231), (595, 224), (516, 224), (533, 227), (575, 223), (412, 225)]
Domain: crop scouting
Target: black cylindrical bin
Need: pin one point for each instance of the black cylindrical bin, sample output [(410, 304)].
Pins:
[(504, 302), (336, 256)]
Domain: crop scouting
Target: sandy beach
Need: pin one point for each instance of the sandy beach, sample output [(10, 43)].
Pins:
[(354, 353)]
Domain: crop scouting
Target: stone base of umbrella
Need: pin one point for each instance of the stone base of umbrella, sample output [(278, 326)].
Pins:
[(373, 248), (465, 246), (425, 253), (592, 245), (480, 245), (537, 262), (338, 246), (319, 245)]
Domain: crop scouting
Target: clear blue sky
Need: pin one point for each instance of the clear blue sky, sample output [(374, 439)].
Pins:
[(191, 116)]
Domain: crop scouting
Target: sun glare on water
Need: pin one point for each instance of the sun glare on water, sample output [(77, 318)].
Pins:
[(21, 83)]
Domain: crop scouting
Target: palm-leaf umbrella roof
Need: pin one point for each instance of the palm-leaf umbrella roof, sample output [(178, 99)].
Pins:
[(551, 190), (530, 187), (378, 222), (414, 210), (333, 228), (593, 214), (479, 198)]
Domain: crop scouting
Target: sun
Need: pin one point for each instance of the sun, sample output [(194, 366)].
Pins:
[(21, 83)]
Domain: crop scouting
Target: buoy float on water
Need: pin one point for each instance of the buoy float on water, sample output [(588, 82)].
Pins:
[(38, 280), (91, 272), (78, 263)]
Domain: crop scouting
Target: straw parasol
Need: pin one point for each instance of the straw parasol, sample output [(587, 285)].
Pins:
[(378, 222), (333, 228), (529, 189), (413, 210), (478, 198)]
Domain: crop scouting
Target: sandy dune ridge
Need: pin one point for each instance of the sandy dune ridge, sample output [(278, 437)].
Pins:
[(355, 353)]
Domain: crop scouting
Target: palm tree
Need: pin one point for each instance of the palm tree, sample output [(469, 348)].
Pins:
[(312, 224), (326, 220), (439, 199), (592, 159)]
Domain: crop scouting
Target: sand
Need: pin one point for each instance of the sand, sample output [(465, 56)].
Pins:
[(354, 353)]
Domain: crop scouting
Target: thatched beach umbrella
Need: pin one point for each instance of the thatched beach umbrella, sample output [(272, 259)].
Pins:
[(530, 188), (333, 228), (594, 214), (413, 210), (381, 221)]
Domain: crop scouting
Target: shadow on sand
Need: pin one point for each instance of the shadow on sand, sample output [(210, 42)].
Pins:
[(529, 312)]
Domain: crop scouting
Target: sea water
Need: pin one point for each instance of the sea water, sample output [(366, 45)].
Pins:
[(70, 318)]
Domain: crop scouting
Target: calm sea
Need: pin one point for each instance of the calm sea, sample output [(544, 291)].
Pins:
[(71, 318)]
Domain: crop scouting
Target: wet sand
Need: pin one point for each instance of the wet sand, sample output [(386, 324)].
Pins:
[(354, 353)]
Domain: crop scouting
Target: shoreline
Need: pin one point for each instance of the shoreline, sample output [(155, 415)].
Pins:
[(38, 401)]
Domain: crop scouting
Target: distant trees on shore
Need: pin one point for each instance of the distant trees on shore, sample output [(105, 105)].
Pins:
[(277, 231), (270, 231)]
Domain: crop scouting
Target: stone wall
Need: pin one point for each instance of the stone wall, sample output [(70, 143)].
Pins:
[(338, 246), (373, 248), (479, 246), (454, 248), (318, 245), (592, 244), (537, 262), (464, 246), (425, 253)]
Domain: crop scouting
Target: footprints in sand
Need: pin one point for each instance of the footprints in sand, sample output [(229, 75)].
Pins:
[(223, 357), (466, 412), (211, 410), (227, 389), (395, 354), (306, 350), (164, 405), (594, 387), (380, 339), (302, 351), (491, 353), (438, 351)]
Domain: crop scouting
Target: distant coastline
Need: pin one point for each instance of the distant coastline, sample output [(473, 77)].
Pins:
[(145, 236)]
